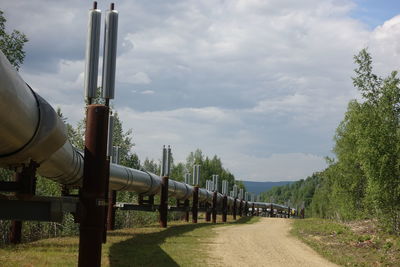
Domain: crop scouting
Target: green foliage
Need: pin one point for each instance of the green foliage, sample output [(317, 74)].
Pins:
[(295, 194), (12, 45), (364, 179), (358, 243), (208, 167)]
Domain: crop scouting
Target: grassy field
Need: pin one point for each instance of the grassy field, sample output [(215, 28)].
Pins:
[(358, 243), (181, 244)]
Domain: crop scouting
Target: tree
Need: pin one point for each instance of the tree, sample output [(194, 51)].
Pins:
[(12, 45)]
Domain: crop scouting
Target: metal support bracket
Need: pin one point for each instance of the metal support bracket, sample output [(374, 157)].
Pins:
[(47, 209)]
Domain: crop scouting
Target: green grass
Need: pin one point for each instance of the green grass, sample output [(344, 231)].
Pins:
[(358, 243), (181, 244)]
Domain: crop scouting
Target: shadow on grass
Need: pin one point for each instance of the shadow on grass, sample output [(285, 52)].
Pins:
[(145, 249)]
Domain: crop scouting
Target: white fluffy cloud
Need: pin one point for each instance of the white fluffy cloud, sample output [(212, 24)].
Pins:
[(262, 84)]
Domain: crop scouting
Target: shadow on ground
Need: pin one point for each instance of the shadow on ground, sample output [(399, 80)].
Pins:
[(144, 249)]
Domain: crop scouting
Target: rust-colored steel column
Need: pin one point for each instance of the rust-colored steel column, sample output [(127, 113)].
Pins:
[(253, 210), (112, 199), (288, 212), (214, 207), (271, 211), (106, 197), (186, 205), (224, 208), (234, 209), (195, 204), (26, 180), (163, 210), (241, 208), (302, 213), (64, 191), (258, 212), (208, 212), (92, 197)]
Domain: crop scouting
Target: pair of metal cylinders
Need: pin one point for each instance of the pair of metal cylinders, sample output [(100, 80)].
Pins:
[(109, 54)]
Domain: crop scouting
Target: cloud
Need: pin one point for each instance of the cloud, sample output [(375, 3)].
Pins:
[(131, 77), (262, 84), (147, 92)]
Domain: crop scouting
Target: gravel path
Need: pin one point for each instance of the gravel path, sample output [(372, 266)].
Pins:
[(265, 243)]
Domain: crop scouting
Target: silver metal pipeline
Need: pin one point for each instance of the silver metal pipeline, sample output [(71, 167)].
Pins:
[(30, 129)]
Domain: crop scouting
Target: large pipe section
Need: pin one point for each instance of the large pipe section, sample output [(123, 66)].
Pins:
[(30, 129)]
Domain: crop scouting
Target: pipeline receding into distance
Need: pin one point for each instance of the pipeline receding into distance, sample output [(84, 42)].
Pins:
[(30, 129)]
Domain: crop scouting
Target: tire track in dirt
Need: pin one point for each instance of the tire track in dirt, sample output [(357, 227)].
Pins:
[(265, 243)]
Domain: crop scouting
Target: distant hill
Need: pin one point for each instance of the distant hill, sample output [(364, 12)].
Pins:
[(259, 187)]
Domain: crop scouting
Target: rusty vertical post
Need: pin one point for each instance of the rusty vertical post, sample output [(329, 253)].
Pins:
[(271, 211), (253, 211), (208, 212), (15, 232), (224, 208), (214, 207), (165, 169), (246, 208), (195, 203), (112, 199), (234, 209), (93, 191), (288, 212), (64, 191), (163, 210), (106, 197), (26, 180), (186, 205), (302, 213)]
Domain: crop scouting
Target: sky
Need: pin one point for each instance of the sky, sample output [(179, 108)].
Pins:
[(261, 84)]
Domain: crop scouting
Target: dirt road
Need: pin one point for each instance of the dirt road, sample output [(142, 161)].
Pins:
[(265, 243)]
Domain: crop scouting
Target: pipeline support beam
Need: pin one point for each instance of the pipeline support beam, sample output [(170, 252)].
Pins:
[(234, 209), (186, 205), (26, 180), (195, 204), (92, 197), (163, 210), (224, 208), (214, 207)]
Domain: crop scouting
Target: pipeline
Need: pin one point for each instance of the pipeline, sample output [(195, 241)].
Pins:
[(30, 129)]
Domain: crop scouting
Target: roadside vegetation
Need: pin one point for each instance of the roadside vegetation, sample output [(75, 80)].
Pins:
[(363, 180), (181, 244), (356, 243)]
